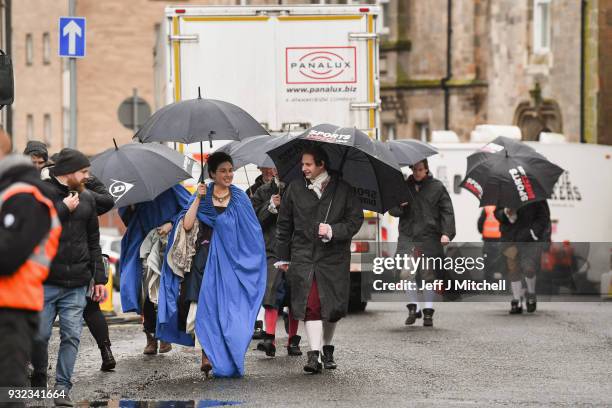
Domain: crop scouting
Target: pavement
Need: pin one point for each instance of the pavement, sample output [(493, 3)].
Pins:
[(475, 355)]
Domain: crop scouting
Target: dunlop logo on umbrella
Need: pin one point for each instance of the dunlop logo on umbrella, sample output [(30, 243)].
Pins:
[(474, 187), (119, 188), (523, 185)]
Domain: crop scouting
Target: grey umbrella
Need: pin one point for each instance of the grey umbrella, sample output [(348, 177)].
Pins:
[(364, 163), (407, 152), (198, 120), (137, 172), (252, 150)]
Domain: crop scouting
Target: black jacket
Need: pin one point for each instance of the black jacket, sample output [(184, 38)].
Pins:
[(259, 181), (79, 254), (104, 201), (428, 215), (297, 229), (24, 221), (533, 217), (267, 219)]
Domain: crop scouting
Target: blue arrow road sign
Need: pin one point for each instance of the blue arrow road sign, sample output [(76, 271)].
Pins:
[(72, 37)]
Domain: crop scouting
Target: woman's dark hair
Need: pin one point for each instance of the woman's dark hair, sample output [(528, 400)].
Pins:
[(318, 153), (425, 163), (215, 160)]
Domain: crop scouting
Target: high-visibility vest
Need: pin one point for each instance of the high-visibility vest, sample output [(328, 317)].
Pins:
[(490, 229), (24, 288)]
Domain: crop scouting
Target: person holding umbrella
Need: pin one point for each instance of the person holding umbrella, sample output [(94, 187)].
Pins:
[(427, 223), (516, 179), (216, 264), (267, 202), (523, 232), (319, 216)]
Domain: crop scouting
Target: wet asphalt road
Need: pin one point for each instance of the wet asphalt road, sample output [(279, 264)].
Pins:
[(476, 355)]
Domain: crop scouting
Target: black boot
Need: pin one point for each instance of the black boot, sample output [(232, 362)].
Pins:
[(516, 307), (267, 345), (293, 348), (531, 303), (412, 314), (108, 361), (38, 380), (428, 317), (328, 358), (312, 365), (258, 333)]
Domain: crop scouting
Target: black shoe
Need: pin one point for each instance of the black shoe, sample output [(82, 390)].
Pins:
[(63, 400), (38, 380), (428, 317), (412, 314), (516, 307), (267, 345), (293, 349), (328, 358), (531, 303), (259, 332), (312, 365)]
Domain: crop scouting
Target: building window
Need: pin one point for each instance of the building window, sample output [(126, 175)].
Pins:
[(46, 49), (386, 19), (389, 132), (421, 131), (47, 129), (29, 127), (29, 49), (541, 26)]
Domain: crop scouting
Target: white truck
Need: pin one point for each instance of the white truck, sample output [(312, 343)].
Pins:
[(290, 67)]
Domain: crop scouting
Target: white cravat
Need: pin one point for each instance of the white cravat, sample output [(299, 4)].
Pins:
[(317, 183)]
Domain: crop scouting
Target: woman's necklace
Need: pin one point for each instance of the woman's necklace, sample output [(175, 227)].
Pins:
[(221, 200)]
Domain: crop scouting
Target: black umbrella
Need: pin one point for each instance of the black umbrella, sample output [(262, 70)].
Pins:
[(137, 172), (410, 151), (364, 163), (508, 173), (198, 120)]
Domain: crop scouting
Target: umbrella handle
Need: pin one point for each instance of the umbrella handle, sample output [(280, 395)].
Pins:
[(201, 163)]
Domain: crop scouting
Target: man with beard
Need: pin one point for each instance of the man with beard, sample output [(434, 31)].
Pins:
[(319, 216), (267, 201), (29, 236), (426, 224), (78, 257)]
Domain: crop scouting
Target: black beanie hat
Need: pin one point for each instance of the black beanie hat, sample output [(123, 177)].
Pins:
[(37, 148), (69, 161)]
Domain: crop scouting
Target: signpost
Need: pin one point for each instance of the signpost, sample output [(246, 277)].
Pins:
[(72, 46)]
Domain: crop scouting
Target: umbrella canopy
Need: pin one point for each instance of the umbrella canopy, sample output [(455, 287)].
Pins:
[(509, 173), (136, 172), (364, 163), (252, 150), (408, 152), (197, 120)]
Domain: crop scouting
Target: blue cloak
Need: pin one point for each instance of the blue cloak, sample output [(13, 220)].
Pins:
[(232, 290), (148, 215)]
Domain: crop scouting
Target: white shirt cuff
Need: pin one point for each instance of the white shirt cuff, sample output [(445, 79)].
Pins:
[(272, 207), (281, 263)]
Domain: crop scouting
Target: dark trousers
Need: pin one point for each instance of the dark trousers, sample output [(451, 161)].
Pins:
[(149, 316), (96, 322), (17, 329)]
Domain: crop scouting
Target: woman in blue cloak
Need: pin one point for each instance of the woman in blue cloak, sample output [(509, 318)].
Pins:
[(214, 276), (139, 219)]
